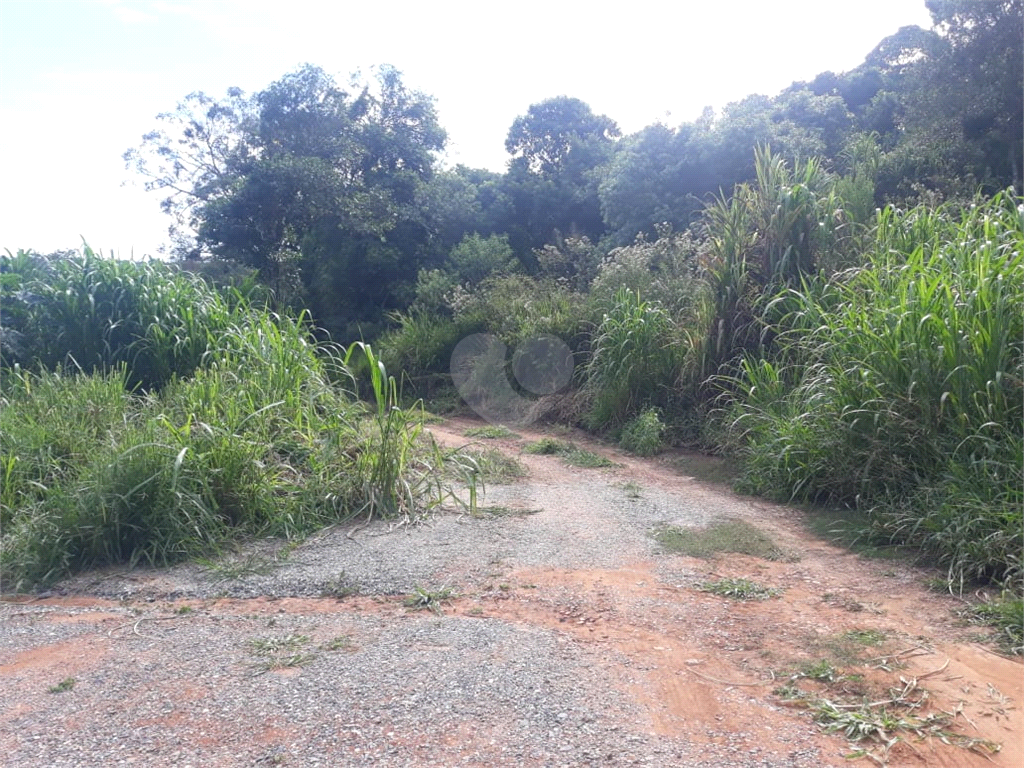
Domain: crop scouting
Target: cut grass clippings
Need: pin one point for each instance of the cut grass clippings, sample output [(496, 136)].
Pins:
[(874, 723), (569, 452), (727, 536), (739, 589)]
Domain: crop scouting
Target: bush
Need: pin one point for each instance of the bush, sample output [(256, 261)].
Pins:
[(664, 271), (476, 258), (423, 343), (644, 434), (634, 360), (258, 441)]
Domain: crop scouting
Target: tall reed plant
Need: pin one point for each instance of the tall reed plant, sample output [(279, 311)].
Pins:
[(400, 469), (901, 387)]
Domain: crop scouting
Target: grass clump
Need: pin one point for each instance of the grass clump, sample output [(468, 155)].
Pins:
[(281, 652), (1006, 615), (821, 670), (547, 446), (492, 465), (644, 435), (491, 432), (580, 457), (339, 643), (570, 453), (727, 536), (739, 589), (634, 359), (339, 587), (259, 441), (896, 389), (424, 600), (90, 313), (65, 685), (240, 566), (847, 528)]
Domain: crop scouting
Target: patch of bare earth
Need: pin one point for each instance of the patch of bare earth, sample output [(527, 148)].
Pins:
[(599, 650)]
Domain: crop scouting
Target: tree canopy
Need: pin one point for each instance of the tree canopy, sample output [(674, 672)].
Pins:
[(307, 182), (334, 192)]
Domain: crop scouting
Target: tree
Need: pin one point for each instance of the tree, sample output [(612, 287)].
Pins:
[(189, 157), (656, 177), (558, 149), (559, 135), (315, 186), (954, 99), (978, 80)]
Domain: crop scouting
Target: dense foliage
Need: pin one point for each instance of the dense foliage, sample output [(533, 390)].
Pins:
[(144, 416), (876, 365), (336, 196)]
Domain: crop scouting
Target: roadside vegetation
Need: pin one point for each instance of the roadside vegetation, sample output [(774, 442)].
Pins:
[(160, 435), (872, 366)]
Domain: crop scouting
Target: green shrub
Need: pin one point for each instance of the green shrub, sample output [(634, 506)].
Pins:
[(422, 344), (517, 308), (476, 258), (258, 441), (664, 271), (634, 361), (399, 477), (644, 434), (50, 424), (93, 313)]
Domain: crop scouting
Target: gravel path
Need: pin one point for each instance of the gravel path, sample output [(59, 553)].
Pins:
[(571, 642)]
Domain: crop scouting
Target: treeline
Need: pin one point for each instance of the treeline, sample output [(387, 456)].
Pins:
[(334, 194)]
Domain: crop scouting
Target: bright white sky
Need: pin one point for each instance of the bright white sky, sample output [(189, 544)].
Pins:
[(81, 80)]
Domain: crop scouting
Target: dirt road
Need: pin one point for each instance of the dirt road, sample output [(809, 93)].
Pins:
[(564, 634)]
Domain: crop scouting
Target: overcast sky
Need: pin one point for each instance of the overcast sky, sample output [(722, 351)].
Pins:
[(81, 80)]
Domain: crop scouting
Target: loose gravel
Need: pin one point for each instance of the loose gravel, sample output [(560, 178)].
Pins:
[(309, 657)]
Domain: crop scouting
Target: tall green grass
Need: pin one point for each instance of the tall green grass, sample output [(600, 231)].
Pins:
[(400, 475), (634, 360), (767, 235), (259, 440), (94, 313), (898, 388)]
